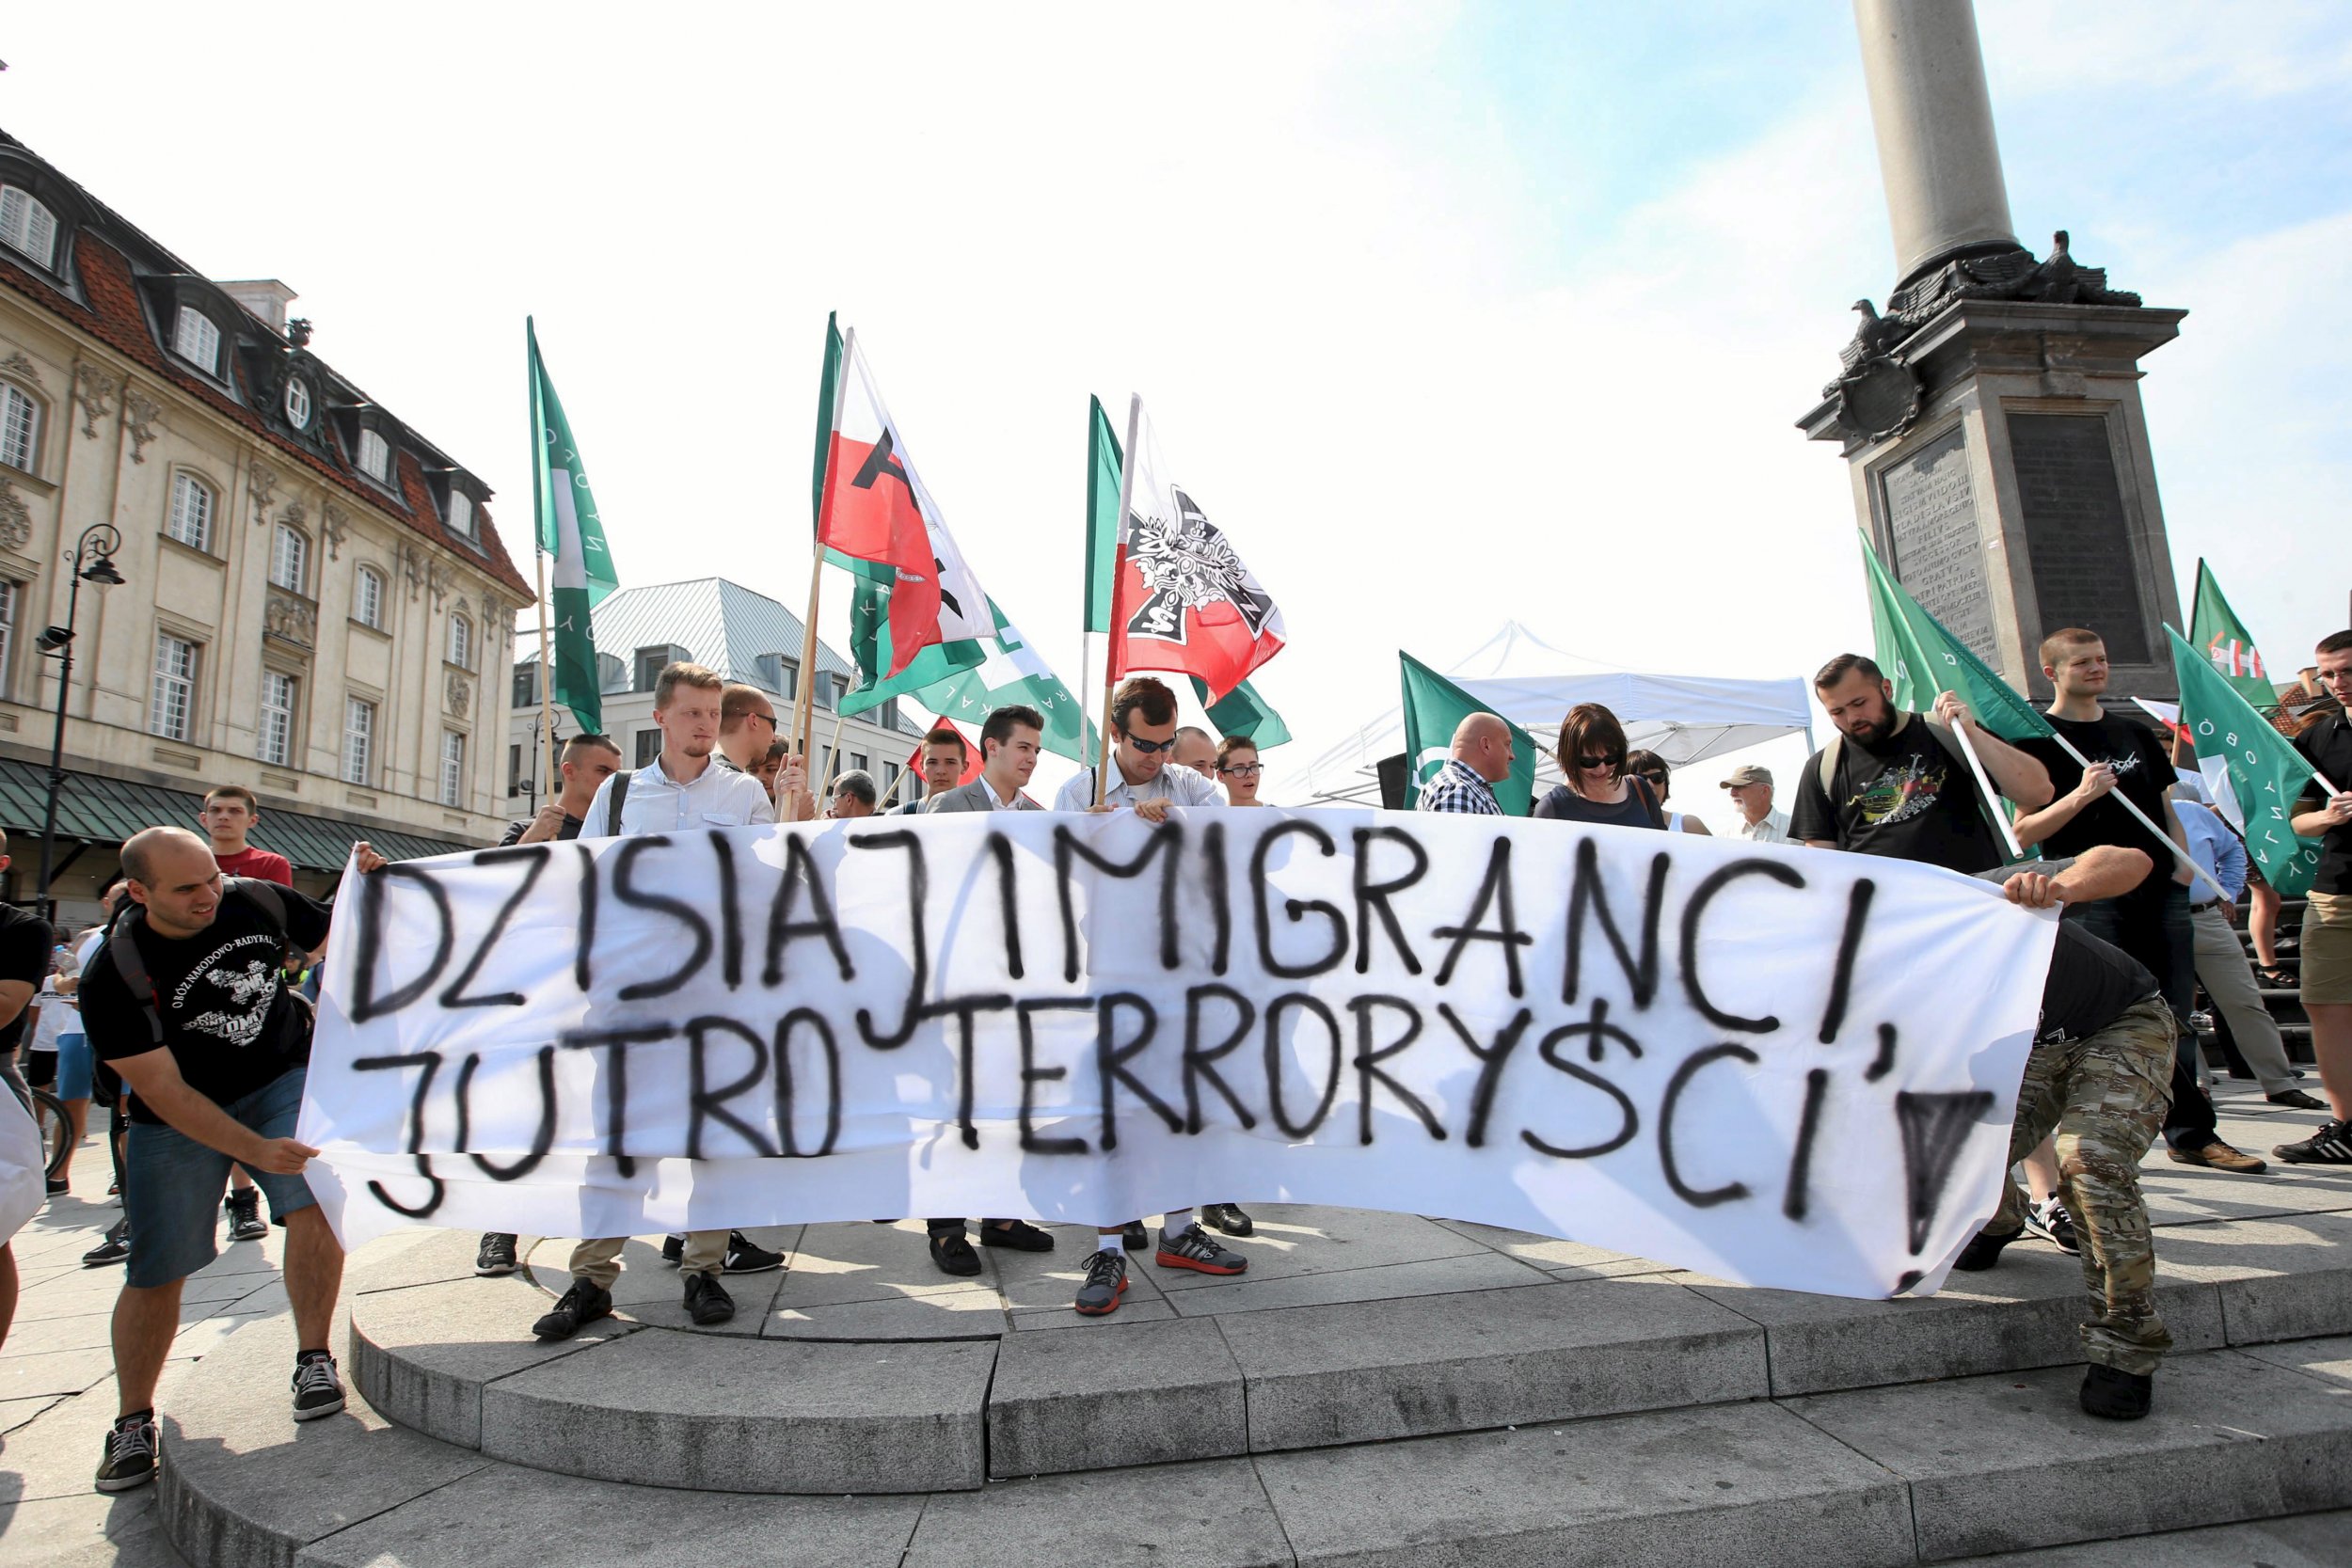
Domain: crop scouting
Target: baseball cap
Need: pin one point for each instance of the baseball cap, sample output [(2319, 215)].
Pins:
[(1747, 774)]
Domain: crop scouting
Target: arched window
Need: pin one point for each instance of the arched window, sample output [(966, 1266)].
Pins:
[(375, 455), (298, 402), (20, 427), (289, 560), (461, 642), (196, 339), (460, 513), (191, 519), (367, 599), (27, 227)]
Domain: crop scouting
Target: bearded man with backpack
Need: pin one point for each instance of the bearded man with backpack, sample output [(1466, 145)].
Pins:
[(187, 1001)]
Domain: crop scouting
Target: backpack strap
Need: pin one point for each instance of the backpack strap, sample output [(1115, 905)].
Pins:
[(614, 801), (131, 964), (1649, 801), (1828, 772)]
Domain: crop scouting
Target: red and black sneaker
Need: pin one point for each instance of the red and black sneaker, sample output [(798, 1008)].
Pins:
[(1197, 1249), (1106, 1282)]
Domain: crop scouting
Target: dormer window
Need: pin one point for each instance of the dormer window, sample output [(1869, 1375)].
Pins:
[(196, 340), (375, 455), (26, 226), (460, 512), (298, 402)]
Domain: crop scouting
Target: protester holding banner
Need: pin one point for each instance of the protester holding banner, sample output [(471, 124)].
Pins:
[(585, 762), (1896, 783), (1595, 786), (685, 788), (188, 1001), (2097, 1081), (2150, 920), (1239, 769), (2324, 810), (1143, 725)]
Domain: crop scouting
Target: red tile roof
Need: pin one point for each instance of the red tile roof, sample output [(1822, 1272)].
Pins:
[(114, 317)]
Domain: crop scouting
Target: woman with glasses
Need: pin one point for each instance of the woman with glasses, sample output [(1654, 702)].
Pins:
[(1596, 788), (1238, 769), (1651, 769)]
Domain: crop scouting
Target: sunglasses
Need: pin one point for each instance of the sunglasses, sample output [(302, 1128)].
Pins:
[(1150, 747), (1247, 769), (1600, 762)]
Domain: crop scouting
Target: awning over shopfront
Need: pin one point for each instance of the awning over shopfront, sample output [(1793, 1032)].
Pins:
[(104, 812)]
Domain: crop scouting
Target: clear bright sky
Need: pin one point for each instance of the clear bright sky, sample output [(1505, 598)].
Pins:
[(1448, 315)]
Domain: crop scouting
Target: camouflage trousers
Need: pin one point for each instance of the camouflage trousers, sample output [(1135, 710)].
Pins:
[(2104, 1096)]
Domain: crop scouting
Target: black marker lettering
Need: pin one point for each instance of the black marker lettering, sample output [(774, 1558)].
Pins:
[(1274, 1054), (1200, 1064), (919, 967), (1690, 1069), (783, 930), (1491, 1061), (586, 940), (365, 1003), (1373, 897), (1695, 911), (431, 1062), (616, 1077), (730, 913), (1167, 844), (702, 1103), (542, 1140), (1590, 894), (785, 1081), (1841, 979), (1220, 898), (1495, 891), (1112, 1054), (1883, 1063), (535, 857), (1032, 1075), (1007, 902), (1295, 909), (1598, 1032), (962, 1010), (1799, 1195), (1368, 1062), (625, 891)]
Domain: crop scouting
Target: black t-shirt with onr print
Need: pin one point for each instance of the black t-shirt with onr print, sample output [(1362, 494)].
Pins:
[(227, 1020), (1904, 798)]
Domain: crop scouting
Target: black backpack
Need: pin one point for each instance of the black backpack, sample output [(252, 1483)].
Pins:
[(122, 947)]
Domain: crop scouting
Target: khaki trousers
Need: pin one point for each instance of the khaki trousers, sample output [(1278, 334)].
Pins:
[(2222, 970), (598, 1258)]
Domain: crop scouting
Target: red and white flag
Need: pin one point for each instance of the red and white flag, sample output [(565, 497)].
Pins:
[(1183, 601), (876, 510)]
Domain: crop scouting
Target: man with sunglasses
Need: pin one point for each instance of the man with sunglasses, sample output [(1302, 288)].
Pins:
[(1143, 723)]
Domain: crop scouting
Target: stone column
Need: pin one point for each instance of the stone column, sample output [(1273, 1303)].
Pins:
[(1937, 155)]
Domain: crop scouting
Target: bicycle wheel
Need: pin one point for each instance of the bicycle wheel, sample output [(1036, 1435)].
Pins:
[(57, 1132)]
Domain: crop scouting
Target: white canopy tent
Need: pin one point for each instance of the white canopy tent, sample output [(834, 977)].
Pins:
[(1684, 718)]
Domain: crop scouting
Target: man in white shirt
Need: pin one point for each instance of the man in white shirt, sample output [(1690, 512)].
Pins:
[(1752, 792), (684, 789), (1143, 722), (1140, 776)]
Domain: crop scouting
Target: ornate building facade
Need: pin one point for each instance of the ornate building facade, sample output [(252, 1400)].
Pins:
[(315, 603)]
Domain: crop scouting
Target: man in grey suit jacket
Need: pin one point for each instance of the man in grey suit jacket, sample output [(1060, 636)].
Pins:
[(1009, 747)]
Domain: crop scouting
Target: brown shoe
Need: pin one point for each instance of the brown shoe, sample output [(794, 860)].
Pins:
[(2217, 1155)]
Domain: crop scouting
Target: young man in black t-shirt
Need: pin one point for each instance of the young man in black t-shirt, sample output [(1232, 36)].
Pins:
[(2324, 812), (215, 1052), (2097, 1079), (1900, 790), (2150, 920)]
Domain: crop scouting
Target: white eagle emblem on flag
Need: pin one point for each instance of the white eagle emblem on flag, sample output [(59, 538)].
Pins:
[(1186, 565)]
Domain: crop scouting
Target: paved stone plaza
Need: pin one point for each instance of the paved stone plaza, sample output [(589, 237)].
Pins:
[(1378, 1389)]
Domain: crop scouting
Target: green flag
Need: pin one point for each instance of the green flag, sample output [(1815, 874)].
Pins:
[(1014, 672), (869, 650), (1923, 660), (2264, 769), (570, 533), (1102, 460), (1433, 705), (1243, 716), (2228, 647)]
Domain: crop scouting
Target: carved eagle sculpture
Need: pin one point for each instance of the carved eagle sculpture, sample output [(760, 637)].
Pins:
[(1876, 336)]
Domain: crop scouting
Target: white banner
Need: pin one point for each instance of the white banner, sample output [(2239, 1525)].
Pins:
[(1787, 1067)]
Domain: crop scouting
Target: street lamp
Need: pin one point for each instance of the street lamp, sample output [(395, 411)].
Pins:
[(92, 561)]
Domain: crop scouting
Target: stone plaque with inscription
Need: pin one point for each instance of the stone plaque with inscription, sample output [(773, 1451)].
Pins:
[(2077, 536), (1934, 541)]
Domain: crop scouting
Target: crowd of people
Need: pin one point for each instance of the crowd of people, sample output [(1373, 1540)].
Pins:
[(185, 1010)]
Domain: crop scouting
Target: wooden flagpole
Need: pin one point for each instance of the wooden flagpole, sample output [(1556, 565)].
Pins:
[(546, 685), (1119, 569), (803, 709), (2141, 818)]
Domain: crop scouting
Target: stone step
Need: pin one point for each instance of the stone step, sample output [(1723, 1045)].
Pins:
[(1212, 1375), (1929, 1472)]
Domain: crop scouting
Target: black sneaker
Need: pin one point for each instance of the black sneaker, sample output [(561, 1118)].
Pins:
[(952, 1251), (1197, 1249), (2117, 1395), (745, 1255), (2330, 1146), (1135, 1237), (2296, 1100), (583, 1304), (2051, 1218), (1019, 1235), (1984, 1250), (59, 1186), (318, 1388), (1106, 1282), (673, 1250), (496, 1256), (1229, 1218), (114, 1249), (128, 1458), (706, 1301), (245, 1215)]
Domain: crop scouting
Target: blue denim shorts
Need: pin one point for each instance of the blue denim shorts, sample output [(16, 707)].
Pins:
[(75, 1061), (172, 1185)]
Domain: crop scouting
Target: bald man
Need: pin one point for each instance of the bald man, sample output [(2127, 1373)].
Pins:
[(213, 1049), (1482, 758)]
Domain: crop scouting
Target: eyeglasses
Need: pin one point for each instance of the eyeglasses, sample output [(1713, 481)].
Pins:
[(1600, 762), (1247, 769), (1150, 747)]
